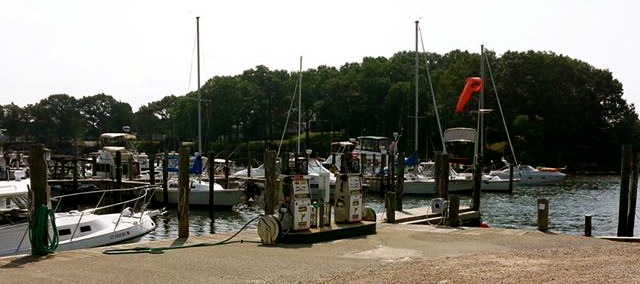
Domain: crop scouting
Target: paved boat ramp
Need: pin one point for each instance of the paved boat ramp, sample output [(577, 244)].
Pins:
[(243, 259)]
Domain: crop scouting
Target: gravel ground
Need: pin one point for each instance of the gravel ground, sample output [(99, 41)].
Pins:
[(618, 264)]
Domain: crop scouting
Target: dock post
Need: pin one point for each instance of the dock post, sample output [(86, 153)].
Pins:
[(94, 166), (184, 190), (510, 178), (40, 195), (165, 180), (211, 174), (543, 215), (399, 181), (271, 175), (633, 195), (130, 167), (441, 173), (118, 162), (384, 187), (587, 225), (453, 216), (390, 202), (625, 179), (249, 163), (118, 194), (152, 170)]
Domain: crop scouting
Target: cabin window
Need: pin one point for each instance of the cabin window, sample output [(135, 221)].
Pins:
[(85, 229), (64, 232)]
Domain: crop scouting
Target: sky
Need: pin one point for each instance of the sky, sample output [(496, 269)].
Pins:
[(141, 51)]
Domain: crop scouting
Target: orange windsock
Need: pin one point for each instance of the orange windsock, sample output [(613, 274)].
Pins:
[(472, 85)]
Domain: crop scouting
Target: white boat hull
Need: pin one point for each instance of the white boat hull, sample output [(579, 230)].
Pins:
[(497, 184), (427, 187), (199, 195), (531, 176), (77, 230)]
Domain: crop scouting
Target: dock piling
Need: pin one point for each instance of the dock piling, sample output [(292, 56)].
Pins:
[(543, 215)]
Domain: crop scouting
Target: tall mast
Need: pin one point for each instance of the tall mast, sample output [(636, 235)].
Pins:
[(299, 103), (416, 95), (481, 109), (199, 99)]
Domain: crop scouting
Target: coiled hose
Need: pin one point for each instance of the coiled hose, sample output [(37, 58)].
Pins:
[(43, 243)]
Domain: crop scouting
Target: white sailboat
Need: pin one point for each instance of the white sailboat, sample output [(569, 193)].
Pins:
[(419, 178), (200, 189)]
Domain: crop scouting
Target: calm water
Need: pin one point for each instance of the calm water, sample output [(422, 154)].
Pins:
[(569, 202)]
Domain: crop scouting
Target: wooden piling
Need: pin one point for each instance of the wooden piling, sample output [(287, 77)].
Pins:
[(453, 216), (543, 215), (587, 225), (118, 162), (390, 202), (185, 190), (152, 170), (399, 181), (271, 176), (249, 163), (94, 166), (510, 178), (625, 179), (211, 174), (40, 191), (165, 180), (441, 173), (40, 195), (633, 195)]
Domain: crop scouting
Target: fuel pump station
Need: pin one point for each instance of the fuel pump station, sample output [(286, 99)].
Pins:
[(348, 195), (298, 202)]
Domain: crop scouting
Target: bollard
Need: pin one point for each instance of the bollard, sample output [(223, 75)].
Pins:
[(543, 215), (587, 225), (390, 202)]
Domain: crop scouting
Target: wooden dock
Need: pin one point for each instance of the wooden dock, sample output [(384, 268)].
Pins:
[(422, 216)]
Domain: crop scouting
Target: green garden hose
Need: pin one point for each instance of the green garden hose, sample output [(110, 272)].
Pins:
[(42, 243)]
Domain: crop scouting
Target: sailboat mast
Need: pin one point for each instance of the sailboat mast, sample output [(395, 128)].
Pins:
[(199, 99), (481, 109), (479, 150), (416, 93), (299, 103)]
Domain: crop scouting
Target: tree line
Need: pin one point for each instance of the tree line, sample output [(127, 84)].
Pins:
[(559, 111)]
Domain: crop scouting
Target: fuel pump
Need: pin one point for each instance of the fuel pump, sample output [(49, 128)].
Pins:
[(348, 198), (348, 192), (295, 212)]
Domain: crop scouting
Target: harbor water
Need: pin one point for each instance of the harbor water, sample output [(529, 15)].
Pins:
[(569, 202)]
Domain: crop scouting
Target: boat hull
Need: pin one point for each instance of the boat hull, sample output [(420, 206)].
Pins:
[(427, 187), (73, 231)]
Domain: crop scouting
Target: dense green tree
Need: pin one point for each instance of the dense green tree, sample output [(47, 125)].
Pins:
[(559, 110)]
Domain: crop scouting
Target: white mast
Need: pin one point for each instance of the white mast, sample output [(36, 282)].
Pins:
[(416, 95), (199, 100), (299, 103)]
